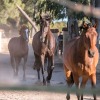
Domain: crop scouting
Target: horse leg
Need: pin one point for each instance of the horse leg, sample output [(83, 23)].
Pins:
[(83, 83), (45, 61), (93, 83), (12, 59), (24, 68), (35, 62), (38, 71), (42, 63), (70, 81), (50, 68), (17, 60), (77, 83)]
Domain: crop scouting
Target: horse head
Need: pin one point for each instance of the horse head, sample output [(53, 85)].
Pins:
[(90, 38), (24, 32), (44, 27)]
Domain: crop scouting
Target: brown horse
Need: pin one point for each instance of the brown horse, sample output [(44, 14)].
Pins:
[(18, 48), (80, 60), (44, 47)]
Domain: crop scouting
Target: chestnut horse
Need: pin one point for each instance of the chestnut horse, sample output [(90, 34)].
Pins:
[(44, 48), (18, 48), (80, 60)]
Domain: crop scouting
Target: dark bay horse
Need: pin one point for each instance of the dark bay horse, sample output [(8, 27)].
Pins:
[(80, 60), (18, 48), (44, 48)]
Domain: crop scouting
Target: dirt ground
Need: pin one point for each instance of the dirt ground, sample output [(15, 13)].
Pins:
[(31, 89)]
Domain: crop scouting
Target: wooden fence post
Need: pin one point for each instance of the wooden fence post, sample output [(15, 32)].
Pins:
[(66, 36)]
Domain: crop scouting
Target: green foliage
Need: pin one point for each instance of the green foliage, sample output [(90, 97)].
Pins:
[(58, 25), (34, 8), (57, 11), (80, 15), (8, 9)]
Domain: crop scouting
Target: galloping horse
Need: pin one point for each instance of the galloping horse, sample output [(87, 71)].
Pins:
[(18, 48), (80, 59), (44, 47)]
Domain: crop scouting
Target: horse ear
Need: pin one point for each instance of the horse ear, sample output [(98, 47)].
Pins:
[(95, 23), (85, 25)]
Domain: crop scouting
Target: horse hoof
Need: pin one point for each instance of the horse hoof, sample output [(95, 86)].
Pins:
[(44, 82), (48, 84), (48, 81)]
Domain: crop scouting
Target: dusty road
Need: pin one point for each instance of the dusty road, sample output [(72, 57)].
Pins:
[(31, 89)]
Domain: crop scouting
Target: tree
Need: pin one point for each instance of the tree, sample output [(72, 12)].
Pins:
[(38, 7), (58, 25), (8, 10), (97, 5), (58, 11), (74, 17)]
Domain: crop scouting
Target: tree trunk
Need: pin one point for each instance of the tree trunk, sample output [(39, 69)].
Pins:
[(97, 5), (69, 26), (27, 17), (73, 27)]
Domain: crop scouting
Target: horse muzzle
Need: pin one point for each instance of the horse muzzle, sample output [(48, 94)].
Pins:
[(91, 53)]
